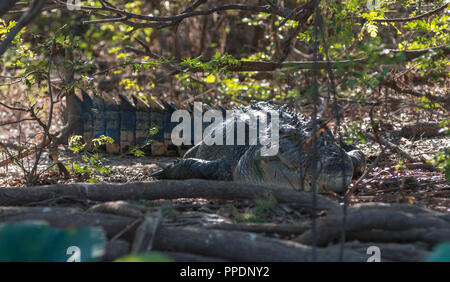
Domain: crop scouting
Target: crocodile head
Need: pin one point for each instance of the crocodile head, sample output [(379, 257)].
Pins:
[(303, 160)]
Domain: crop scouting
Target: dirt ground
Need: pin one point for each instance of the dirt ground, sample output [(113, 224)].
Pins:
[(387, 182)]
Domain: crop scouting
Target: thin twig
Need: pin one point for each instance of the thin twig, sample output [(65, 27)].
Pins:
[(418, 17)]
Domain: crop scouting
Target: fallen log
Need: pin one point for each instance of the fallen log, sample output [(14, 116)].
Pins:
[(163, 189)]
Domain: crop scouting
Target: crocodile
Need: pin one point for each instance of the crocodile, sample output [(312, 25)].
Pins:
[(307, 153)]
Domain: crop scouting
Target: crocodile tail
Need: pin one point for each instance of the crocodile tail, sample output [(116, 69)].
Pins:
[(128, 122)]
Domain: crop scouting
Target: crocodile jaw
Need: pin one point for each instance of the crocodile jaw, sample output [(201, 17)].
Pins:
[(334, 172), (276, 174), (334, 183)]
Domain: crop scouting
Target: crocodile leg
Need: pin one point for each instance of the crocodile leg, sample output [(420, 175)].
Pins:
[(358, 161), (358, 158), (196, 168)]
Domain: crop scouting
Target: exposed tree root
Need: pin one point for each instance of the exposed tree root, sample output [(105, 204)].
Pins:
[(389, 252), (119, 208), (232, 245), (143, 230), (369, 222), (242, 246), (386, 217), (115, 249), (186, 257), (428, 235), (270, 228)]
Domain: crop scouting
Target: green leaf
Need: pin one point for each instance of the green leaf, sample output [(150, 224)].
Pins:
[(210, 79), (440, 254), (153, 131), (35, 241)]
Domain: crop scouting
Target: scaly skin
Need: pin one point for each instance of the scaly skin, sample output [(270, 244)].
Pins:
[(294, 167)]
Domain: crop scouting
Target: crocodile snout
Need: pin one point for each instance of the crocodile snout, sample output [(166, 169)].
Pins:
[(334, 183)]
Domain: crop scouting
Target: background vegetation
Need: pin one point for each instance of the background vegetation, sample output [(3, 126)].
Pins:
[(377, 70)]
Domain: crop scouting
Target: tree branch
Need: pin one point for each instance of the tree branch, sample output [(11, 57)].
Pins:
[(244, 66), (5, 5), (437, 10), (24, 20)]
